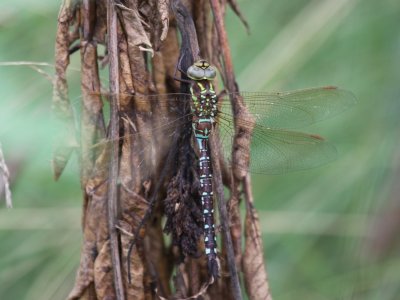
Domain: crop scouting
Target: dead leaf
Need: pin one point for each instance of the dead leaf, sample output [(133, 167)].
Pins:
[(66, 141), (133, 26), (103, 274), (236, 9), (163, 11), (255, 275), (85, 276)]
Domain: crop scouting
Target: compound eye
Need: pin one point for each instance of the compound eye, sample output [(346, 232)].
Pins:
[(210, 73), (195, 73)]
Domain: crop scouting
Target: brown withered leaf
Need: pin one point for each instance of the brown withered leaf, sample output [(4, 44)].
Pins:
[(65, 142), (62, 153), (235, 228), (125, 74), (95, 235), (202, 19), (255, 275), (135, 289), (160, 266), (85, 277), (163, 11), (61, 105), (142, 24), (92, 122), (236, 9), (170, 56), (103, 273), (100, 30), (133, 26), (242, 140), (133, 208)]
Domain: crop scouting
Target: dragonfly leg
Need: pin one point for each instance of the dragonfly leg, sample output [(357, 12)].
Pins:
[(222, 94), (178, 78), (225, 93), (74, 48), (178, 68)]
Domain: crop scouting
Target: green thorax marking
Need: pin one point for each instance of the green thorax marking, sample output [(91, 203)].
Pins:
[(204, 99)]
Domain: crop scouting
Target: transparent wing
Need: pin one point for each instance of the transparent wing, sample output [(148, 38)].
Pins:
[(165, 102), (293, 109), (275, 151), (146, 130)]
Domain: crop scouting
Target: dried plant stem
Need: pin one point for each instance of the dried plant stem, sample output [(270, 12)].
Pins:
[(256, 282), (223, 39), (142, 168), (190, 47), (5, 175), (113, 171), (236, 290), (231, 86), (255, 276)]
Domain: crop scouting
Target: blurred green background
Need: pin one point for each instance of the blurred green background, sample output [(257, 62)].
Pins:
[(329, 233)]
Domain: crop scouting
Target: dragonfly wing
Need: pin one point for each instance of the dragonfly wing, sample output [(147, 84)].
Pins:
[(294, 109), (279, 151), (276, 151), (145, 133)]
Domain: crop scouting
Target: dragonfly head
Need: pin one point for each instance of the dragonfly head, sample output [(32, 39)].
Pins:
[(201, 70)]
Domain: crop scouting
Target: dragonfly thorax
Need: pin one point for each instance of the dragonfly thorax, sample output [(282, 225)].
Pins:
[(204, 99)]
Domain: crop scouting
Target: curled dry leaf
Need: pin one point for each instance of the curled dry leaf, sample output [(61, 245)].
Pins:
[(103, 274), (95, 236), (163, 11), (84, 279), (66, 141), (133, 26), (242, 140), (136, 289), (100, 30), (163, 71), (92, 122), (235, 7), (235, 228), (142, 24), (255, 275), (203, 23), (159, 265)]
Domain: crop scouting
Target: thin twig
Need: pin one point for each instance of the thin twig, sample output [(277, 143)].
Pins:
[(201, 292), (113, 171), (5, 174), (124, 231), (26, 63), (33, 65), (42, 72)]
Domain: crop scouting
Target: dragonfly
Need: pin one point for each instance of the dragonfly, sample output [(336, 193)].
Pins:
[(275, 147)]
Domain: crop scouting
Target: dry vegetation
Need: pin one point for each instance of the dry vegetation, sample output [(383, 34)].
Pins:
[(124, 204)]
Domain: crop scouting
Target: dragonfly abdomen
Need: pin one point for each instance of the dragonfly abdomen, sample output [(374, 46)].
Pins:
[(206, 192), (202, 129)]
